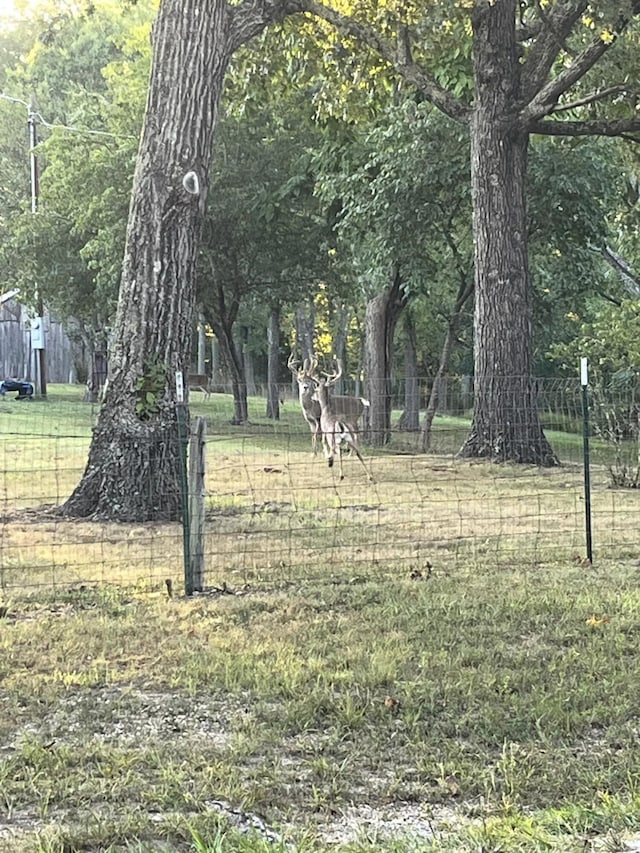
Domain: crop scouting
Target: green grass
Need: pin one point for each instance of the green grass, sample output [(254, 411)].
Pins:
[(336, 701), (496, 705)]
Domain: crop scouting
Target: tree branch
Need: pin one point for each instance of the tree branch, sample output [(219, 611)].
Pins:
[(399, 59), (251, 17), (613, 127), (547, 97), (596, 96), (556, 26), (629, 279)]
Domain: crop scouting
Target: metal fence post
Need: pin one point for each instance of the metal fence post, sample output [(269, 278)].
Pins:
[(183, 442), (196, 503), (584, 381)]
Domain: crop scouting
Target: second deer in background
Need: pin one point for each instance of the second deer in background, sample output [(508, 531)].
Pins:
[(200, 382)]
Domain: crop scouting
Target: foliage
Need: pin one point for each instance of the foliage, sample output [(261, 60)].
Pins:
[(149, 389), (89, 72), (611, 342), (400, 189), (575, 191), (265, 240)]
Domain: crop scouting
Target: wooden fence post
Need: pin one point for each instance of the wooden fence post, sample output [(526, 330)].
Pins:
[(196, 502)]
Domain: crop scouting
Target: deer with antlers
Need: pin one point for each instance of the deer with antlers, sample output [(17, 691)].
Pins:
[(335, 430), (348, 409)]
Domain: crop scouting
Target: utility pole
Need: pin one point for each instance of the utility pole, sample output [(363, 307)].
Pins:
[(37, 325)]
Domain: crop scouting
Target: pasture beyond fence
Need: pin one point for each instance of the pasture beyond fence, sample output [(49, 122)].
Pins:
[(275, 516)]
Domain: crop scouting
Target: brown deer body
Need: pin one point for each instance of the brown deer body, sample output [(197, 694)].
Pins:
[(335, 430), (200, 382)]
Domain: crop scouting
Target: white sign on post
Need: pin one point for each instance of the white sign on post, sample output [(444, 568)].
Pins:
[(584, 372), (179, 387), (37, 333)]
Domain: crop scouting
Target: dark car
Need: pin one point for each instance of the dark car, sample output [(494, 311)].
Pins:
[(24, 389)]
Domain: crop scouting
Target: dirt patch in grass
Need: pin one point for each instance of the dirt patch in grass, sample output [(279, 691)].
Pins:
[(109, 721), (126, 716)]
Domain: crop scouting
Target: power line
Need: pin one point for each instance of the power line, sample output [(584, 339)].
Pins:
[(82, 130)]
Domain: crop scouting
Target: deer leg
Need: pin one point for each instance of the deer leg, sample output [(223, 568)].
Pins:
[(353, 445), (364, 464), (327, 448), (329, 455)]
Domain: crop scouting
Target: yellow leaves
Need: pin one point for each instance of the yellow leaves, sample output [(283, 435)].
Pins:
[(606, 35), (571, 315), (594, 622)]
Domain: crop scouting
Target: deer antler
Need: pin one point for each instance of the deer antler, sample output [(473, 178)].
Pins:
[(332, 378), (297, 371)]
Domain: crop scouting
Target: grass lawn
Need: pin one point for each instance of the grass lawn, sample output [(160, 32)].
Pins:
[(456, 697)]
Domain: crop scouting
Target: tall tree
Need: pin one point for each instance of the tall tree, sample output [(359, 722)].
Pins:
[(133, 468)]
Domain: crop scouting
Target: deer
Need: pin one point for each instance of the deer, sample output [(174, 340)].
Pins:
[(200, 382), (349, 409), (335, 430)]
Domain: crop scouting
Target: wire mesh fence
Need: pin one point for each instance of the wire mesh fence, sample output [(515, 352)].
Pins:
[(276, 515)]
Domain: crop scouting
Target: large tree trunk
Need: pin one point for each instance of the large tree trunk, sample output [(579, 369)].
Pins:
[(381, 315), (506, 426), (133, 467)]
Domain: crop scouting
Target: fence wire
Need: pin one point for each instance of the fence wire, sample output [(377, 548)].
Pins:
[(276, 515)]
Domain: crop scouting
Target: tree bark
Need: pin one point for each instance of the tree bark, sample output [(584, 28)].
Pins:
[(410, 418), (506, 425), (465, 290), (306, 329), (340, 324), (273, 361), (381, 315), (232, 357), (202, 345)]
